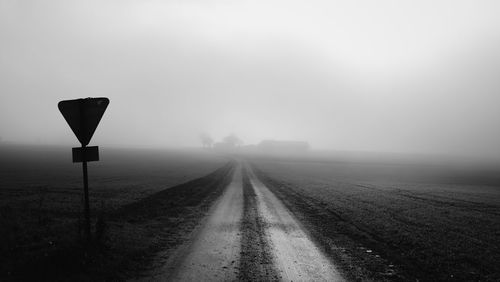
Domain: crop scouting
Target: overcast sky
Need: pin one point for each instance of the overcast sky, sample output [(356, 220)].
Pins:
[(398, 76)]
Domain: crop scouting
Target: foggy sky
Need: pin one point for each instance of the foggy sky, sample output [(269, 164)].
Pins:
[(397, 76)]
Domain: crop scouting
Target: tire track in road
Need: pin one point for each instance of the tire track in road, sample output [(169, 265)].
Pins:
[(296, 258), (213, 255), (256, 262)]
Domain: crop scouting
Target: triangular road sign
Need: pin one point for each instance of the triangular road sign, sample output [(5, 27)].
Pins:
[(83, 116)]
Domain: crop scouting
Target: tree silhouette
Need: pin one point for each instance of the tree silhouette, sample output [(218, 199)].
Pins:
[(232, 140), (206, 140)]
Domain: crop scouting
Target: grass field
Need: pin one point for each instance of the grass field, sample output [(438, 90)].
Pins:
[(41, 208), (383, 221)]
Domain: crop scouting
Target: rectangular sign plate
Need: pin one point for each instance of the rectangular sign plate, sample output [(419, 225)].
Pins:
[(91, 154)]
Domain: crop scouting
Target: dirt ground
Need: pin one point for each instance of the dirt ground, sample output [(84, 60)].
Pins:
[(147, 201), (256, 251), (379, 226), (182, 216), (249, 235)]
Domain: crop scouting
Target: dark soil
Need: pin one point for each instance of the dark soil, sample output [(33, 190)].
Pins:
[(130, 236), (256, 259), (352, 228), (337, 237)]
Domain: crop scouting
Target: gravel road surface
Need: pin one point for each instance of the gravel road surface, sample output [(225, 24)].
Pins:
[(249, 235)]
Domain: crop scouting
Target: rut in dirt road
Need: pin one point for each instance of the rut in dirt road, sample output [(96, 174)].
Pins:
[(256, 259), (295, 256), (213, 253)]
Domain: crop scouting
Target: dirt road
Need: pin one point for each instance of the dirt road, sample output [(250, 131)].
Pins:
[(295, 256), (249, 235)]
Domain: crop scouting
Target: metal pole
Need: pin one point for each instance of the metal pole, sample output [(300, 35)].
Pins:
[(85, 174), (86, 192)]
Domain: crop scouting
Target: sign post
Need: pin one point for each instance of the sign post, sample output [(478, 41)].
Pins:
[(83, 116), (86, 195)]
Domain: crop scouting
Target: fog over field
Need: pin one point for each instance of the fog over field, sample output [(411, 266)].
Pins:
[(389, 76), (250, 140)]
